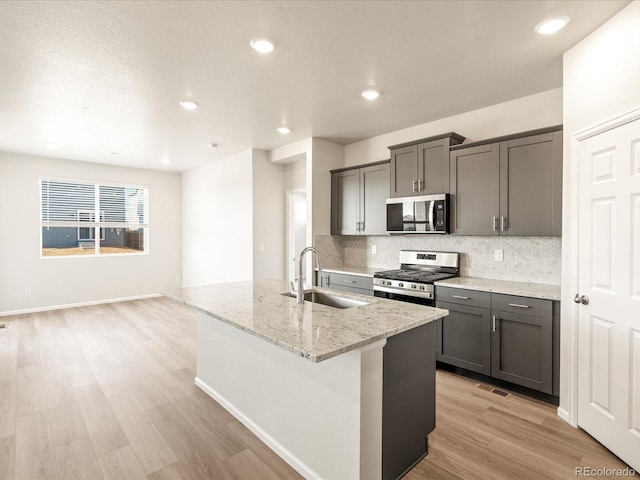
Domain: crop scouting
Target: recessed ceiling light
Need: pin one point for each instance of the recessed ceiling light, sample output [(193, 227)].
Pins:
[(188, 104), (52, 146), (551, 25), (262, 45), (166, 161), (283, 130), (371, 94), (115, 154), (213, 145)]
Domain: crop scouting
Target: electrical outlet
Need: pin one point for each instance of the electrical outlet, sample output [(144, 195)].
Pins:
[(177, 278), (498, 255), (262, 247), (27, 292), (374, 249)]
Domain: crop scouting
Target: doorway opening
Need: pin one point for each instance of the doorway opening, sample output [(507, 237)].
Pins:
[(296, 230)]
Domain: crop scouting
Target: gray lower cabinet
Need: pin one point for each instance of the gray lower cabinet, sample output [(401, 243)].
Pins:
[(345, 282), (509, 185), (358, 199), (508, 337), (463, 338), (522, 341)]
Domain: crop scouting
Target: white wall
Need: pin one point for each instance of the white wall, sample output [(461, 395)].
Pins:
[(295, 175), (269, 213), (217, 221), (72, 280), (526, 113), (601, 81)]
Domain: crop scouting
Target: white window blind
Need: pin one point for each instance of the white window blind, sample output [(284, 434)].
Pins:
[(76, 214)]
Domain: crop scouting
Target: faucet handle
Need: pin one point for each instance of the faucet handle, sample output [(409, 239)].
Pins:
[(293, 287)]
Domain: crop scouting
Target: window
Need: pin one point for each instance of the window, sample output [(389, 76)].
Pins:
[(69, 210)]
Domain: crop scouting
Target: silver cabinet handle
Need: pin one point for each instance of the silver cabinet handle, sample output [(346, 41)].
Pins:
[(357, 226), (414, 186), (420, 184), (494, 324), (350, 281), (583, 299), (460, 297), (494, 223), (362, 226), (504, 226), (517, 305)]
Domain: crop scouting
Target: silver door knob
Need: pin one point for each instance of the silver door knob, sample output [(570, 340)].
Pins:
[(583, 299)]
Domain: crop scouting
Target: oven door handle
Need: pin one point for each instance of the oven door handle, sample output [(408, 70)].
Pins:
[(403, 292)]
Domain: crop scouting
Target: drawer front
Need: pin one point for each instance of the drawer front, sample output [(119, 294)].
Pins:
[(345, 288), (461, 296), (354, 281), (523, 305)]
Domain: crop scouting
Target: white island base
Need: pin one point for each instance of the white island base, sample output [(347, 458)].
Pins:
[(324, 419)]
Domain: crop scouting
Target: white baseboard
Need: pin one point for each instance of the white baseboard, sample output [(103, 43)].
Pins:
[(564, 414), (297, 464), (81, 304)]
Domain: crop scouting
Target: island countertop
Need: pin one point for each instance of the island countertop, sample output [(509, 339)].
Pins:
[(313, 331)]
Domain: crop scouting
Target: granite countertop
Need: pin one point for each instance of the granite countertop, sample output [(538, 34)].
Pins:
[(360, 271), (508, 287), (313, 331)]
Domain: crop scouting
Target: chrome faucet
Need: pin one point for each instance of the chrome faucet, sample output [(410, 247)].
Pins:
[(300, 292)]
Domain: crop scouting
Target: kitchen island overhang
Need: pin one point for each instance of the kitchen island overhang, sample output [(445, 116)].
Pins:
[(307, 379)]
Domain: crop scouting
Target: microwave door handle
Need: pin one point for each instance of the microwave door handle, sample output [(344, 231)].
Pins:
[(432, 207)]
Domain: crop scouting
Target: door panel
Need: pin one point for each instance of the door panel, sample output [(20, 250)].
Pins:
[(475, 189), (374, 188), (464, 337), (609, 325), (433, 168), (530, 190), (404, 171), (602, 365), (521, 350), (345, 202)]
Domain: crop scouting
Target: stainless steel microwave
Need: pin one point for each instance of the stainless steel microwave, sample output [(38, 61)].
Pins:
[(423, 214)]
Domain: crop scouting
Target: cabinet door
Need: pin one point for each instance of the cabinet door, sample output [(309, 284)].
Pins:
[(322, 279), (404, 171), (531, 185), (475, 190), (522, 350), (433, 167), (464, 337), (345, 202), (374, 191)]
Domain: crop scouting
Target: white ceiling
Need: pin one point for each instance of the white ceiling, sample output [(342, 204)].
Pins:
[(106, 76)]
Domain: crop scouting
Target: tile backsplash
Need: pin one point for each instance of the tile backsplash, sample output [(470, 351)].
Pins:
[(526, 259)]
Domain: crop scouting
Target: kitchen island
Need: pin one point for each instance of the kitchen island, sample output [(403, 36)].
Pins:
[(308, 379)]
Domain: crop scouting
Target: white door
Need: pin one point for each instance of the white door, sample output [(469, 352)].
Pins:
[(609, 275), (297, 234)]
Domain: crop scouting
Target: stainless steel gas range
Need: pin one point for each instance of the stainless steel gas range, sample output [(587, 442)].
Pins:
[(413, 282)]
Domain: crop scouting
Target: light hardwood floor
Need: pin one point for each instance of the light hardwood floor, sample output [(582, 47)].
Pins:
[(106, 392)]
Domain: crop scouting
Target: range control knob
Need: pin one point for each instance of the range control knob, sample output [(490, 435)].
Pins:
[(401, 285), (421, 287), (414, 286), (389, 282)]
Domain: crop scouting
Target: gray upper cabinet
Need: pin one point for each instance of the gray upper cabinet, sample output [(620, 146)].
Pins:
[(421, 167), (531, 185), (358, 199), (508, 186), (475, 190)]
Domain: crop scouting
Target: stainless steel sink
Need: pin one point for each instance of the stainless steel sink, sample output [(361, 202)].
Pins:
[(328, 299)]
